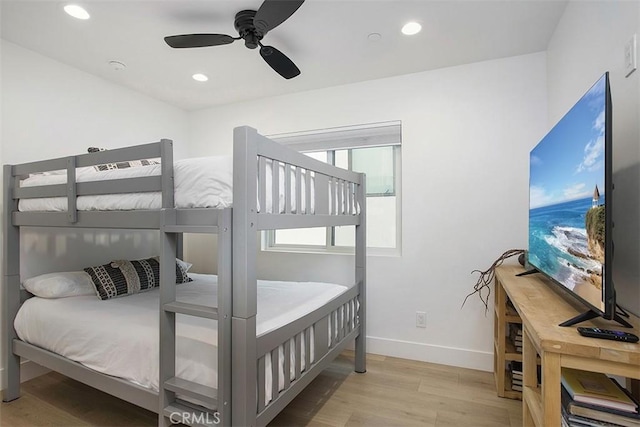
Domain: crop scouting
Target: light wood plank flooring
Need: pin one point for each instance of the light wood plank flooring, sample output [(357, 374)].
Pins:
[(393, 392)]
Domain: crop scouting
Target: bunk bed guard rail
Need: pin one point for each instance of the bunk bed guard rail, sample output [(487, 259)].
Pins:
[(72, 189)]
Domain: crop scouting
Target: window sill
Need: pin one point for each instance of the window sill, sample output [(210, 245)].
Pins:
[(376, 252)]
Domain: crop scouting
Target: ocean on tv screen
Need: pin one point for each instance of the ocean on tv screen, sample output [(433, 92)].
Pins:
[(561, 245)]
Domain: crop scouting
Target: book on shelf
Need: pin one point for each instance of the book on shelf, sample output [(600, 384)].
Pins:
[(515, 335), (515, 369), (571, 420), (597, 389), (587, 422), (600, 413)]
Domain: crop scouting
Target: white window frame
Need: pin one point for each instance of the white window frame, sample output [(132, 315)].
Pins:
[(334, 139)]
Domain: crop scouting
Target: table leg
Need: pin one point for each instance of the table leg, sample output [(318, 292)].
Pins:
[(551, 373)]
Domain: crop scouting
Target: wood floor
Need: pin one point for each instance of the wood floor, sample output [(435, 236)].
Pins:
[(393, 392)]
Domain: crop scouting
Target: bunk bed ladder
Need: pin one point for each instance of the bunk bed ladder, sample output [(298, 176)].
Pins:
[(183, 401)]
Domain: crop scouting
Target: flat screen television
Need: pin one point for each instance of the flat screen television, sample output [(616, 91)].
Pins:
[(570, 204)]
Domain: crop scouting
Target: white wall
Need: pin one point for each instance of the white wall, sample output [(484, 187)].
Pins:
[(51, 110), (588, 41), (466, 133)]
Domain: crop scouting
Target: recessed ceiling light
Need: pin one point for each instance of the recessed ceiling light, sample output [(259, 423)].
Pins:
[(76, 11), (200, 77), (117, 65), (411, 28)]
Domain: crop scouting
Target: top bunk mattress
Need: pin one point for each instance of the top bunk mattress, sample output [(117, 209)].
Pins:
[(204, 182)]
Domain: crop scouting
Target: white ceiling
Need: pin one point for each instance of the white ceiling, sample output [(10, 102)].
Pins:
[(327, 39)]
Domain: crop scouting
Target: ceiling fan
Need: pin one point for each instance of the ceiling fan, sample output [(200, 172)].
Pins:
[(252, 26)]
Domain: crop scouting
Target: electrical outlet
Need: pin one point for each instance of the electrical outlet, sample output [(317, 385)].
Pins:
[(630, 54), (421, 319)]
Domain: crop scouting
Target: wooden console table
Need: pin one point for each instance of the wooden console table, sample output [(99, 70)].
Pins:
[(541, 308)]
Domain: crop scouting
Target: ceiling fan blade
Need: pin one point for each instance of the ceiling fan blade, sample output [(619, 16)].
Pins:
[(273, 13), (279, 62), (198, 40)]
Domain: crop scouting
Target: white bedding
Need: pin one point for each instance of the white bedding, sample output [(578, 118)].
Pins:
[(204, 182), (119, 337)]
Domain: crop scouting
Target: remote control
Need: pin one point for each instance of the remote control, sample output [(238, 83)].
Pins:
[(607, 334)]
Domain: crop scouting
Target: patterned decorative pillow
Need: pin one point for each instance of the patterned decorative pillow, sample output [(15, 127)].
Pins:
[(122, 277), (120, 165)]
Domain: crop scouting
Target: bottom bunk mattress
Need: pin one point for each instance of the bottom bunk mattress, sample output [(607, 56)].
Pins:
[(119, 337)]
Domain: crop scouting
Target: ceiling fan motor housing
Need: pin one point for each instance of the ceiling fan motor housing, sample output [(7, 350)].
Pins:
[(246, 28)]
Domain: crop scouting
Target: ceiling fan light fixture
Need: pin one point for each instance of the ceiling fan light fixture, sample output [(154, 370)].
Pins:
[(199, 77), (76, 11), (411, 28)]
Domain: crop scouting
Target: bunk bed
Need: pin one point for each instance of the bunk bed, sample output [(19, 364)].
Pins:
[(258, 372)]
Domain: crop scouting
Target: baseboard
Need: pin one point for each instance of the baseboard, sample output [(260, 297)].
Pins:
[(463, 358), (28, 371)]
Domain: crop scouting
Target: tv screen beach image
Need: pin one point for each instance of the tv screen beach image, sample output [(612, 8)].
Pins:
[(567, 199)]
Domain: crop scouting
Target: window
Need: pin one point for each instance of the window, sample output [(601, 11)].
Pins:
[(373, 149)]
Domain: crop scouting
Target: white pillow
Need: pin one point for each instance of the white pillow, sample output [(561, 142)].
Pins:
[(185, 265), (60, 285)]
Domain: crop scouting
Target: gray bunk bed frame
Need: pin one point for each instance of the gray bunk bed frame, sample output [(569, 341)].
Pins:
[(239, 398)]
